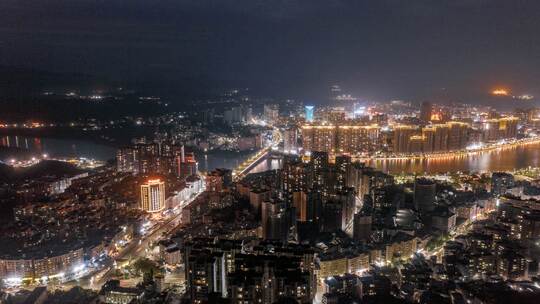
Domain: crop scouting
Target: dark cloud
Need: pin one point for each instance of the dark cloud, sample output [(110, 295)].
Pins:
[(377, 49)]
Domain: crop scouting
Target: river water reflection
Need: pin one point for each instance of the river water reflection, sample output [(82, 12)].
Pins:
[(55, 147), (25, 147), (495, 160)]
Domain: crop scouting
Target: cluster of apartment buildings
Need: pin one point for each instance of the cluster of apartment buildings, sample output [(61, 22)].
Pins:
[(361, 138)]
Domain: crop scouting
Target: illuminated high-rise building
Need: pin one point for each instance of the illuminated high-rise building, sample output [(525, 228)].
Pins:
[(320, 171), (450, 136), (490, 130), (500, 128), (126, 160), (337, 115), (309, 113), (500, 182), (457, 135), (436, 138), (358, 111), (426, 109), (277, 219), (402, 135), (153, 195), (508, 127), (271, 113), (358, 139), (222, 271), (319, 138), (342, 164), (290, 140), (341, 139), (415, 144), (424, 195), (148, 158), (184, 163), (293, 175), (429, 136)]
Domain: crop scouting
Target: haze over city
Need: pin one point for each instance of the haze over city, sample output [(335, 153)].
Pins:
[(274, 152), (452, 50)]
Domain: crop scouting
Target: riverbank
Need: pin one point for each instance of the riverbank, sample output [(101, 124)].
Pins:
[(455, 154), (114, 137)]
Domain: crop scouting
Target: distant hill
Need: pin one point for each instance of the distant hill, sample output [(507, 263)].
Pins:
[(22, 96), (19, 81)]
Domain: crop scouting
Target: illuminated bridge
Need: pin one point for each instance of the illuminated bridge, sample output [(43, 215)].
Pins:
[(244, 168)]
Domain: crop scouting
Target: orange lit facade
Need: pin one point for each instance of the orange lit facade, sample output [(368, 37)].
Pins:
[(433, 138), (341, 139), (500, 128), (153, 196), (500, 92)]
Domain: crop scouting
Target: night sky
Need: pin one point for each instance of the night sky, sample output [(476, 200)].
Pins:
[(378, 49)]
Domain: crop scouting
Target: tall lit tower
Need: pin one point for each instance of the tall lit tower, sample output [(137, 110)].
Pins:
[(309, 113), (426, 109), (153, 195)]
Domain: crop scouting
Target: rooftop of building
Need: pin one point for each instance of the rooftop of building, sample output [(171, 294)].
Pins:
[(114, 286)]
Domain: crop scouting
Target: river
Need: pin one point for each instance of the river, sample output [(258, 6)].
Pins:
[(495, 160), (506, 159), (23, 146), (20, 147)]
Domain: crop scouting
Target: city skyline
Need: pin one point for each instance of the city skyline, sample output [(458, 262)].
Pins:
[(269, 152)]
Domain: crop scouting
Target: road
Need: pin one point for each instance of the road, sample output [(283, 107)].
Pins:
[(248, 164), (138, 246), (244, 167)]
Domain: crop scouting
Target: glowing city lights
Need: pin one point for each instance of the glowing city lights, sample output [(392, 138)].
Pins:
[(500, 92)]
